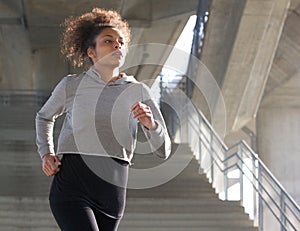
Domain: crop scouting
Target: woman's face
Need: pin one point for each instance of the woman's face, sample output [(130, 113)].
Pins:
[(110, 49)]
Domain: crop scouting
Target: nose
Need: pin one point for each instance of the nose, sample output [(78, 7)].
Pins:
[(118, 45)]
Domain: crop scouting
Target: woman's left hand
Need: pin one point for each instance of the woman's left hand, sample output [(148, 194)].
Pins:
[(143, 113)]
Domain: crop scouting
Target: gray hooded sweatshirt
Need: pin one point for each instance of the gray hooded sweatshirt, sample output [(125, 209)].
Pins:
[(98, 118)]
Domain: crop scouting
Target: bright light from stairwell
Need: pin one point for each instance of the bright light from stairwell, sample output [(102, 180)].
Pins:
[(183, 43)]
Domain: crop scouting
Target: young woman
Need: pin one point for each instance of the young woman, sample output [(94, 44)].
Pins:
[(102, 110)]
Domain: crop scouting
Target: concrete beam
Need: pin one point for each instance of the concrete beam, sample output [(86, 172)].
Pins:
[(164, 32), (286, 61), (11, 13), (10, 9), (285, 96)]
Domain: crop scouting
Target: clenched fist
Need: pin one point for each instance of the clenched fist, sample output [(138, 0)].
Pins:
[(50, 164)]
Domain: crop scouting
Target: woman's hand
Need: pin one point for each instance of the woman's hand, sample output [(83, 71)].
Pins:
[(50, 164), (143, 113)]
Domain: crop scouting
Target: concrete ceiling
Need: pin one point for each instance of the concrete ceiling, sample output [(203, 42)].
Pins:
[(286, 61), (151, 21), (42, 18)]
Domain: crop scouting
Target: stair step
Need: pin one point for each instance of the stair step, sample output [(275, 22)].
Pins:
[(184, 216), (27, 228), (222, 228), (140, 224), (28, 221)]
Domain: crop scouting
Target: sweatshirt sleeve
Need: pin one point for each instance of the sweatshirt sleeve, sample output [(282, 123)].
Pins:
[(159, 138), (45, 118)]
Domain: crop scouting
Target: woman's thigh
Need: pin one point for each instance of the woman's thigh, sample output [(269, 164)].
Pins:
[(77, 216), (76, 199), (106, 223), (74, 216)]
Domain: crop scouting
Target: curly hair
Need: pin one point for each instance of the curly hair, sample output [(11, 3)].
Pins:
[(80, 32)]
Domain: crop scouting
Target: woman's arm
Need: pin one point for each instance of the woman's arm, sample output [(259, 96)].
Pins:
[(154, 127), (45, 118)]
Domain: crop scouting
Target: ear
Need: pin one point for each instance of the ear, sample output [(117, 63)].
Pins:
[(91, 53)]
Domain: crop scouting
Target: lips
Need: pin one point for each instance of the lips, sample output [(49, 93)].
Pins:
[(118, 54)]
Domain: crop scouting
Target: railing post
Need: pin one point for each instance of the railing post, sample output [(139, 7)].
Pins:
[(255, 193), (240, 154), (199, 144), (188, 135), (6, 100), (260, 201), (282, 211), (226, 177), (211, 157)]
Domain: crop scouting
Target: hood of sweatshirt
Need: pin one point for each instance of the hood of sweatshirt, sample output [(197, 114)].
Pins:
[(125, 79)]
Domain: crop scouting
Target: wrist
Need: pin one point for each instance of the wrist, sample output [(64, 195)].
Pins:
[(153, 126), (47, 155)]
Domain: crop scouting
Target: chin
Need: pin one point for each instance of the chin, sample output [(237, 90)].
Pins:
[(110, 63), (117, 62)]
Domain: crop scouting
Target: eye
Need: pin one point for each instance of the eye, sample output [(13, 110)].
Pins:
[(108, 41)]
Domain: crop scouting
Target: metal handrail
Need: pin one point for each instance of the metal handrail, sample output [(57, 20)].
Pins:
[(237, 166), (271, 176), (14, 97), (253, 155), (268, 193), (282, 218), (23, 91)]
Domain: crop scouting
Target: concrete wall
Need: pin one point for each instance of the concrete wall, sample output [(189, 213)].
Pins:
[(15, 58), (278, 132), (20, 68), (49, 68)]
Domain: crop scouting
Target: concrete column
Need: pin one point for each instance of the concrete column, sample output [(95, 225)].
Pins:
[(251, 59), (278, 131), (221, 29), (15, 58), (49, 68)]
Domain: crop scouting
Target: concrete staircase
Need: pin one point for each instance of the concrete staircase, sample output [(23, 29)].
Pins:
[(26, 214), (185, 203)]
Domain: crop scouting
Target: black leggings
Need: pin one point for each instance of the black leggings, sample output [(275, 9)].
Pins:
[(79, 216), (80, 200)]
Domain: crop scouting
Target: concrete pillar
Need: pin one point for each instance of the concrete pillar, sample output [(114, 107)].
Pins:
[(220, 32), (15, 58), (221, 29), (49, 68), (240, 57), (251, 59), (278, 131)]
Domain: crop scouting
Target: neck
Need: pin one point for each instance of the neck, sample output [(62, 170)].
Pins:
[(107, 73)]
